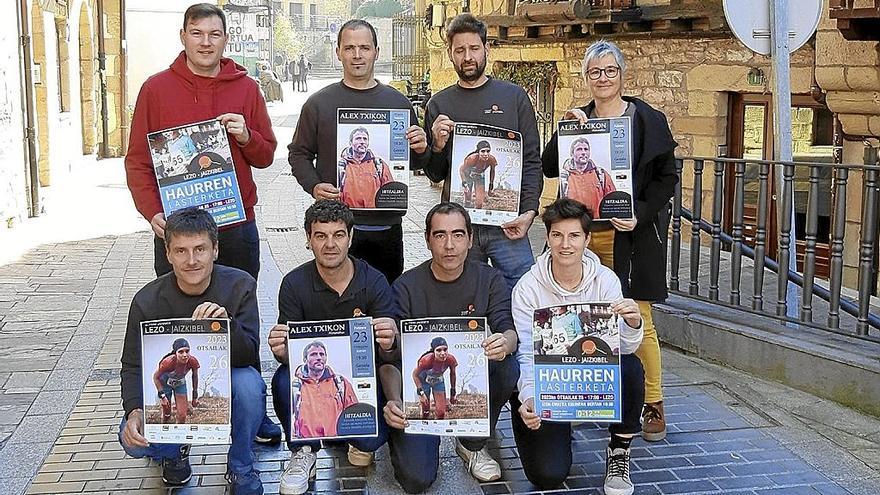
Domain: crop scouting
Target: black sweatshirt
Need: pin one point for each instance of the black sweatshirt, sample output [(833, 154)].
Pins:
[(313, 155), (231, 288), (480, 291), (498, 103)]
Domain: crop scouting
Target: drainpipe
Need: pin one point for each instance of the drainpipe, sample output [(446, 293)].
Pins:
[(33, 167), (123, 78), (102, 74)]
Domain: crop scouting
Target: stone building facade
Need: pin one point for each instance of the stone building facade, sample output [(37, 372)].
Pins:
[(702, 78), (70, 116)]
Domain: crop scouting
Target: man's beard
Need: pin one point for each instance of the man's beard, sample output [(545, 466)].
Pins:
[(481, 68)]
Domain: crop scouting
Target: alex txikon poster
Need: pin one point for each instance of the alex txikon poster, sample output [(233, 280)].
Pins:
[(186, 380), (445, 376), (372, 152), (595, 165), (577, 363), (193, 166), (333, 390)]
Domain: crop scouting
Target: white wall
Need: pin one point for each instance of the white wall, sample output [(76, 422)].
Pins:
[(13, 186)]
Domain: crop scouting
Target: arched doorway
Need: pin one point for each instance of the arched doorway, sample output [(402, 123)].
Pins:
[(41, 93), (87, 89)]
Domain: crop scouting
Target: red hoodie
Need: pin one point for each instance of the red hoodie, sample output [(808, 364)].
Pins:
[(176, 97)]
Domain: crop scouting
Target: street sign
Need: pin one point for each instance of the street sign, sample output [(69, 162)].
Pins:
[(750, 22)]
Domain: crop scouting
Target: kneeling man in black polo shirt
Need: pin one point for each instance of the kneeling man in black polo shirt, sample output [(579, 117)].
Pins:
[(332, 286)]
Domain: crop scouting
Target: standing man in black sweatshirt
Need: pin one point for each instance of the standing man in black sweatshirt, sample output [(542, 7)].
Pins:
[(197, 288), (378, 236), (480, 99)]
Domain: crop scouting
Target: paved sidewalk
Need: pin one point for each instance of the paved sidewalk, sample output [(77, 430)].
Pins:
[(63, 308)]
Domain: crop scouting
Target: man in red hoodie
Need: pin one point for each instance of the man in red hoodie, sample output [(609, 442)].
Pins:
[(201, 85)]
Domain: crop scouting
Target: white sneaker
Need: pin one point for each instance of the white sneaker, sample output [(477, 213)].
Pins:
[(358, 457), (480, 464), (617, 480), (300, 470)]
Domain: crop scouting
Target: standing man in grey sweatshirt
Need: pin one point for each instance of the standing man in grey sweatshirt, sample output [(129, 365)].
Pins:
[(480, 99), (378, 236)]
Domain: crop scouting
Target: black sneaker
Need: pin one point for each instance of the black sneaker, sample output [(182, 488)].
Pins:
[(176, 472)]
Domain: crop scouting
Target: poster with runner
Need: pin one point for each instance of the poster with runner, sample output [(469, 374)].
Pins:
[(445, 376), (486, 172), (186, 381), (595, 165), (333, 390), (193, 166), (372, 171), (577, 363)]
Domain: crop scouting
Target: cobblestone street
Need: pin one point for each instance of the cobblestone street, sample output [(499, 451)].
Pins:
[(63, 310)]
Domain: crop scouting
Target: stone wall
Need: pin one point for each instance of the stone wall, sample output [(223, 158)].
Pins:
[(13, 179), (849, 71)]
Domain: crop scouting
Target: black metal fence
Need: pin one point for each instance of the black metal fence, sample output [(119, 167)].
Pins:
[(747, 234), (409, 57)]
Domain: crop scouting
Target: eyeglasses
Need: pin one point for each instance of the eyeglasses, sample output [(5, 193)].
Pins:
[(610, 72)]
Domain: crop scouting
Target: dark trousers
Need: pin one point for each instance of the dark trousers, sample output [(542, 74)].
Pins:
[(281, 403), (381, 249), (239, 248), (416, 458), (546, 452)]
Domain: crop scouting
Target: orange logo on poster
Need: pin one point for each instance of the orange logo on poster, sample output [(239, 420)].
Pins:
[(473, 324), (588, 347), (215, 326)]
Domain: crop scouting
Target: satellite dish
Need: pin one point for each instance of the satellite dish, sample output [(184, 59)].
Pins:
[(750, 22)]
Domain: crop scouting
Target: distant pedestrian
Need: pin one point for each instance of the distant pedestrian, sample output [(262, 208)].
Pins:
[(293, 69), (304, 67)]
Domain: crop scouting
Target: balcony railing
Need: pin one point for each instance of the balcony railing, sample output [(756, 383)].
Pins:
[(718, 275)]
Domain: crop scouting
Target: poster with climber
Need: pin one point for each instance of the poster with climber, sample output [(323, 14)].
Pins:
[(372, 171), (445, 376), (193, 167), (486, 172), (577, 362), (333, 390), (595, 166), (186, 380)]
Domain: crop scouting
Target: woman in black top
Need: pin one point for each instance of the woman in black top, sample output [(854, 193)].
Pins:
[(634, 248)]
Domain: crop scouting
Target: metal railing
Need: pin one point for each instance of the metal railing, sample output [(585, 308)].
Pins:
[(750, 239), (409, 50)]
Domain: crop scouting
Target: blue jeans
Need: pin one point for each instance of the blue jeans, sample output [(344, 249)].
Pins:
[(281, 403), (239, 248), (248, 409), (512, 258)]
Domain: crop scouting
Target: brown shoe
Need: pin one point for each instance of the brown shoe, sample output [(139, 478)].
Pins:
[(653, 422)]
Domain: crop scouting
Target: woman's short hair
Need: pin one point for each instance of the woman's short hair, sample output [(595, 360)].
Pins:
[(598, 50)]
